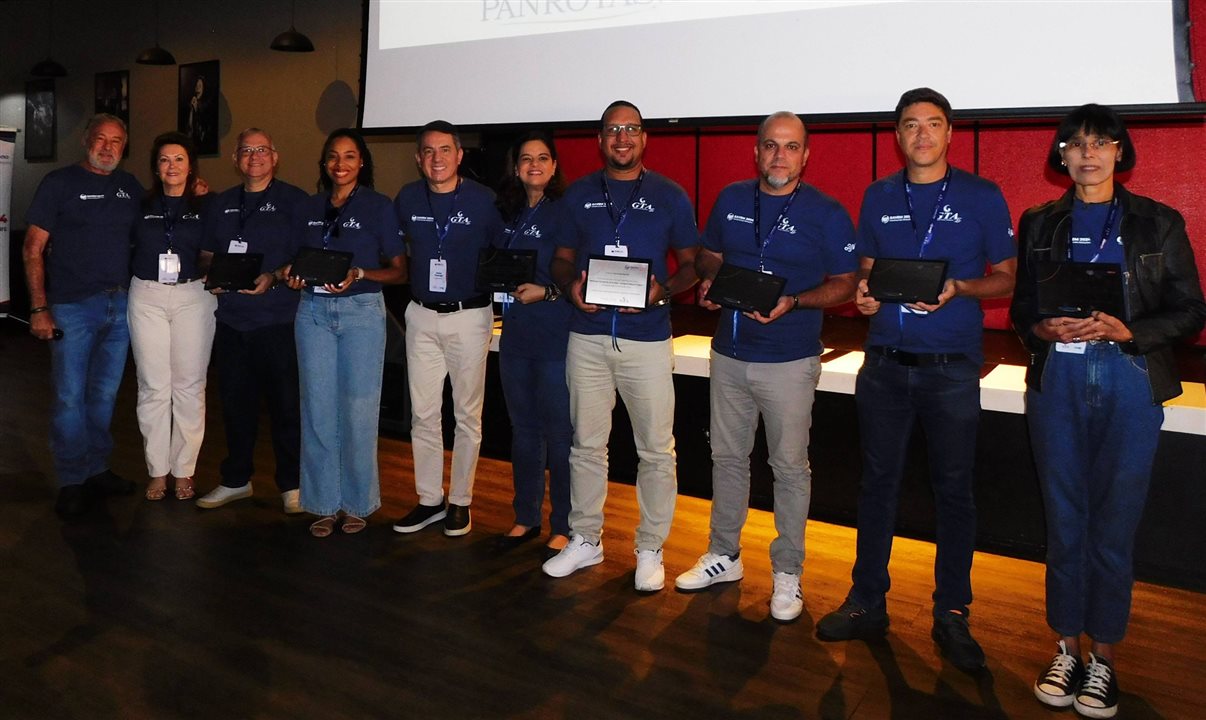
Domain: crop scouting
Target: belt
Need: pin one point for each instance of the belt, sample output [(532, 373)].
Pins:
[(448, 307), (909, 359)]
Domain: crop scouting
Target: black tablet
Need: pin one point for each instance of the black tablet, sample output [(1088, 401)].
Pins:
[(746, 290), (1076, 289), (320, 267), (236, 271), (504, 269), (900, 280)]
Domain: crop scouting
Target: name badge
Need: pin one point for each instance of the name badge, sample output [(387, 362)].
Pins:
[(502, 297), (437, 276), (616, 250), (1075, 348), (320, 290), (237, 247), (169, 268), (912, 311)]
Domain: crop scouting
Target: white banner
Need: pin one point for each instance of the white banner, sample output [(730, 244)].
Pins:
[(8, 148)]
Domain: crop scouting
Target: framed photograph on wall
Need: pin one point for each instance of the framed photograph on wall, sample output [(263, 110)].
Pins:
[(40, 120), (113, 97), (197, 105)]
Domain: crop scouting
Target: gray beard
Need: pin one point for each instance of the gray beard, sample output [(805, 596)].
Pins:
[(95, 162), (776, 183)]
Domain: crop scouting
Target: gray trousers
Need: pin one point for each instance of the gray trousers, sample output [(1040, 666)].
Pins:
[(783, 394)]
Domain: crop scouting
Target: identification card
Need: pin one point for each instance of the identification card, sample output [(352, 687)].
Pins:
[(237, 247), (169, 268), (616, 251), (437, 277), (906, 310), (320, 290), (1075, 348), (502, 297)]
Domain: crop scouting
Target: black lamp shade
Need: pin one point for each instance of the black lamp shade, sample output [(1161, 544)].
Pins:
[(155, 56), (49, 68), (292, 41)]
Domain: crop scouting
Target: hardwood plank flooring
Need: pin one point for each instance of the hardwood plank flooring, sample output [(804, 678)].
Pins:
[(158, 610)]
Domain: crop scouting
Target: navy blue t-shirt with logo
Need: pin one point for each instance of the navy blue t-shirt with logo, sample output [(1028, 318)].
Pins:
[(538, 330), (472, 223), (972, 230), (89, 218), (814, 240), (186, 220), (658, 217), (1088, 224), (366, 227), (267, 222)]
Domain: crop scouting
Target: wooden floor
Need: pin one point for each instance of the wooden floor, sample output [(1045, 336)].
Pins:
[(158, 610)]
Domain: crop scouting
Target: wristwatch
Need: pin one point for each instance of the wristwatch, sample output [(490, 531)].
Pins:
[(551, 292), (359, 273)]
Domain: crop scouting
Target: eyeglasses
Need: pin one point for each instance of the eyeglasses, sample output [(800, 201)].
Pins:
[(615, 130), (1095, 144), (260, 150)]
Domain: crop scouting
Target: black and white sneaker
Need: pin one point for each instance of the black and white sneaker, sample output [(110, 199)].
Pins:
[(1098, 693), (1057, 685), (710, 569), (457, 521), (420, 517)]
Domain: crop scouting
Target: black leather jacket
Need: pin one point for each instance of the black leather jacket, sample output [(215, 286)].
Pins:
[(1165, 294)]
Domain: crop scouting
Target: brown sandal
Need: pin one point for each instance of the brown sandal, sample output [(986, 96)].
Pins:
[(323, 526), (352, 524), (184, 488), (157, 488)]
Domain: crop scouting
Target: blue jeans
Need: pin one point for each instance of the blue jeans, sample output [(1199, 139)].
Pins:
[(86, 367), (945, 400), (1094, 431), (340, 357), (538, 405)]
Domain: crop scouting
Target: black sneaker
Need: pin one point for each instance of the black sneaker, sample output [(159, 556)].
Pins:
[(853, 622), (457, 522), (1057, 685), (955, 640), (109, 483), (73, 502), (1098, 693), (419, 518)]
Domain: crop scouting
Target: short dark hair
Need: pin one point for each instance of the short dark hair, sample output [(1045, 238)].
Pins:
[(512, 197), (365, 178), (1094, 119), (184, 141), (618, 104), (922, 95), (440, 126)]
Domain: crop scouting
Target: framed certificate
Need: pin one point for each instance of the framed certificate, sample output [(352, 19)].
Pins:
[(746, 290), (504, 269), (1076, 289), (620, 282), (234, 272), (895, 280), (321, 267)]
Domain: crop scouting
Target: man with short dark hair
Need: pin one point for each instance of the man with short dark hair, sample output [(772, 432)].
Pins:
[(922, 366), (254, 351), (446, 219), (623, 210), (769, 364), (77, 267)]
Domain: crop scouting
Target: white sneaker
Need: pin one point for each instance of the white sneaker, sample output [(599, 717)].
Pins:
[(292, 501), (710, 569), (786, 601), (576, 555), (221, 495), (650, 573)]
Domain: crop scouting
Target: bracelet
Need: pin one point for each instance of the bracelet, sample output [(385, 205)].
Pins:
[(795, 303), (551, 293), (38, 309), (359, 273)]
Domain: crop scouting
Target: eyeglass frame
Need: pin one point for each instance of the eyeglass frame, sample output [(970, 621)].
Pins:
[(1097, 144), (250, 150), (614, 130)]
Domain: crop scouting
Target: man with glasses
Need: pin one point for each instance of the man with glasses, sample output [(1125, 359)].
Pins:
[(77, 267), (622, 211), (254, 353), (769, 364), (922, 367)]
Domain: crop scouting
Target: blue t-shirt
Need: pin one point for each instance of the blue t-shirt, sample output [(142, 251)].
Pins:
[(366, 227), (267, 222), (537, 330), (657, 217), (151, 237), (1088, 225), (972, 230), (89, 218), (815, 239), (472, 222)]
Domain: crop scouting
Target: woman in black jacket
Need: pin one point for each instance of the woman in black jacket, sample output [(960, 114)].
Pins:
[(1095, 387)]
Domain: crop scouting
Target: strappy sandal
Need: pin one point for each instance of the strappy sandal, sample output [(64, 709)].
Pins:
[(156, 489), (323, 526), (184, 488), (352, 524)]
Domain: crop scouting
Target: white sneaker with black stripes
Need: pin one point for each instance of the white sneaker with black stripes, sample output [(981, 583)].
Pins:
[(709, 570)]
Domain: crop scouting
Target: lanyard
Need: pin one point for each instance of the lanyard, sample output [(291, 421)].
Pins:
[(442, 232), (169, 223), (524, 219), (619, 219), (243, 214), (1105, 231), (759, 241), (929, 231), (330, 224)]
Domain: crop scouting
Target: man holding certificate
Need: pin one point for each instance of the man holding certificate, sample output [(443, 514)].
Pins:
[(621, 223), (769, 364), (922, 367)]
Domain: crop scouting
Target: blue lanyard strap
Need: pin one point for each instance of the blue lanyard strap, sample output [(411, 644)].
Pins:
[(521, 222), (243, 214), (759, 241), (1106, 231), (169, 223), (442, 232), (330, 225), (929, 231), (618, 217)]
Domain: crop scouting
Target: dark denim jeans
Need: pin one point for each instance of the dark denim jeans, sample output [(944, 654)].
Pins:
[(1094, 431), (945, 400), (86, 366), (538, 405)]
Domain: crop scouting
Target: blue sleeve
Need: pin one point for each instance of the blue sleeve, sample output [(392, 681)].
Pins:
[(211, 219), (43, 211), (712, 235), (391, 231), (999, 243), (838, 249), (866, 244), (683, 233)]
